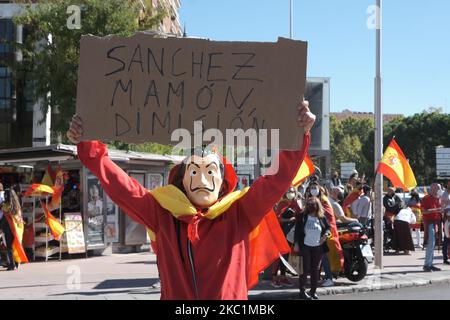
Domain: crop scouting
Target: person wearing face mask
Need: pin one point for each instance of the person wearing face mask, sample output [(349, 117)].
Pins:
[(336, 181), (311, 233), (333, 261), (212, 241), (287, 209)]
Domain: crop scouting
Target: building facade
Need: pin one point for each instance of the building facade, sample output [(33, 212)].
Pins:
[(363, 115), (22, 123), (20, 118), (171, 23)]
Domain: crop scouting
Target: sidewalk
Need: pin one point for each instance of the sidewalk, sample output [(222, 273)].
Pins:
[(399, 271), (131, 276), (107, 277)]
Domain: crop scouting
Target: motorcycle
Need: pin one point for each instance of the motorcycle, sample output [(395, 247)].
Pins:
[(357, 250)]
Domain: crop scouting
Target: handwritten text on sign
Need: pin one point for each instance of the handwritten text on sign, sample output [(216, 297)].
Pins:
[(142, 88)]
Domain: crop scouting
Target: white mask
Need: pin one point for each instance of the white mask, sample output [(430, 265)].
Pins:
[(290, 195), (440, 193), (2, 196), (314, 192)]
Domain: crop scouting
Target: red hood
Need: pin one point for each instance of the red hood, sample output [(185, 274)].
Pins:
[(229, 183)]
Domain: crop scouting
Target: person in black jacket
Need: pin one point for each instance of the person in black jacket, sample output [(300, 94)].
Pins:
[(392, 205), (311, 233), (11, 200)]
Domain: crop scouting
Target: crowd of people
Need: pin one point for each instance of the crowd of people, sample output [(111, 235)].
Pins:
[(314, 212)]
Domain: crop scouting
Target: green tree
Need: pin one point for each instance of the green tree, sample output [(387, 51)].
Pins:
[(418, 136), (49, 68), (349, 139), (352, 140)]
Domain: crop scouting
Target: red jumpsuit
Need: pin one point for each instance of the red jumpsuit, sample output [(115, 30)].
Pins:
[(216, 267)]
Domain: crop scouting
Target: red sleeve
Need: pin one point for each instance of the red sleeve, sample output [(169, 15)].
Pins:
[(267, 190), (125, 191), (282, 206), (295, 206)]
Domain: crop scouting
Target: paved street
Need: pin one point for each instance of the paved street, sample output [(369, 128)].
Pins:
[(131, 276), (399, 272), (431, 292), (112, 276)]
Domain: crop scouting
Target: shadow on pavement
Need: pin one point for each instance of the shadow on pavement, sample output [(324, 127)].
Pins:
[(406, 272), (99, 293), (408, 266), (126, 283), (139, 262), (30, 286)]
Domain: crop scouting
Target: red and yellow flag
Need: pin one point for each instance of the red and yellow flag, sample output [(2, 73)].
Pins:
[(266, 243), (17, 227), (37, 190), (306, 170), (396, 168), (58, 189), (348, 201), (49, 176), (56, 228)]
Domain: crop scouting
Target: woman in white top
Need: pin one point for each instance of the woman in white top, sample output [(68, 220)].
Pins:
[(311, 232), (402, 240)]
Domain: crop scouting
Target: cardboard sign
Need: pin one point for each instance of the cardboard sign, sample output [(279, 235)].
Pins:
[(73, 223), (142, 88)]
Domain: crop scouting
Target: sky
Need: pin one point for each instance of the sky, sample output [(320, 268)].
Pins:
[(415, 54)]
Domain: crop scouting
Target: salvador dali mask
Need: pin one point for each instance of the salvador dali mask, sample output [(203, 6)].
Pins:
[(202, 180)]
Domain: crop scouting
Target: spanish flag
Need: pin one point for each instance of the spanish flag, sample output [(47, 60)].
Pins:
[(55, 226), (395, 167), (17, 227), (348, 201), (58, 189), (37, 190), (49, 176), (306, 170), (266, 243)]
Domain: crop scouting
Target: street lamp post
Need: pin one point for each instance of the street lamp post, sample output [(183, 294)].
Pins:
[(378, 145), (291, 18)]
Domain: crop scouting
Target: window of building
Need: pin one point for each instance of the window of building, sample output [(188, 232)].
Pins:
[(6, 88), (6, 36)]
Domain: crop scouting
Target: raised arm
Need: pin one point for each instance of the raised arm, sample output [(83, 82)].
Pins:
[(268, 189), (125, 191)]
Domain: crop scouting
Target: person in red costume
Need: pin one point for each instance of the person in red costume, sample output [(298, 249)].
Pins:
[(206, 234)]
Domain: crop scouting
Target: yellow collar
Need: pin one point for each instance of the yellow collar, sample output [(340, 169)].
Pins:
[(176, 202)]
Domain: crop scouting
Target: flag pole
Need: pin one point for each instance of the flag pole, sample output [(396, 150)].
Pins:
[(378, 146)]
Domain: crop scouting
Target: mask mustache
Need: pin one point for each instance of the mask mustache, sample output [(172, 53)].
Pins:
[(199, 188), (203, 188)]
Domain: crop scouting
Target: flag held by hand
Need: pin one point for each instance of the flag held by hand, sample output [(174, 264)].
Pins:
[(396, 168)]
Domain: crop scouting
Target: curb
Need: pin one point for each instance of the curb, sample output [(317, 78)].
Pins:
[(293, 293)]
